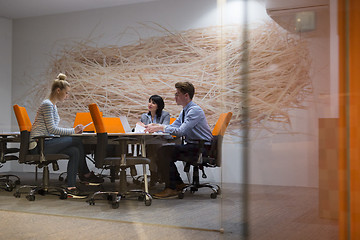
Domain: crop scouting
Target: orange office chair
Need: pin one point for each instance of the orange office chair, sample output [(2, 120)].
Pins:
[(172, 120), (212, 159), (117, 160), (85, 119), (41, 160)]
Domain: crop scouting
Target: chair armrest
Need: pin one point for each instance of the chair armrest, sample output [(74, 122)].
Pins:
[(202, 146), (200, 141), (41, 140)]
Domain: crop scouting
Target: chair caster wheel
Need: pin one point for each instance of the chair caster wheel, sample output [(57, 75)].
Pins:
[(30, 197), (115, 205), (92, 202), (41, 192), (213, 195), (63, 196), (148, 202), (181, 195), (9, 187), (17, 194)]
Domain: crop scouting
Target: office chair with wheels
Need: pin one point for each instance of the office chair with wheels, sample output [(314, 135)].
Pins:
[(117, 160), (40, 159), (211, 159), (8, 154)]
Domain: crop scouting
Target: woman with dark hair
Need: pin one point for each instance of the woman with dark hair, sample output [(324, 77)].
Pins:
[(155, 115)]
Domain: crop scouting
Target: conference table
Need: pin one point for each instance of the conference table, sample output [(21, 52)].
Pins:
[(89, 138), (124, 139)]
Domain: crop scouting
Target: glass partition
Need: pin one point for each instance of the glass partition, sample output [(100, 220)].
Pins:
[(273, 64)]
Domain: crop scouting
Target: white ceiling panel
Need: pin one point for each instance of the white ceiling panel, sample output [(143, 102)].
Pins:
[(15, 9)]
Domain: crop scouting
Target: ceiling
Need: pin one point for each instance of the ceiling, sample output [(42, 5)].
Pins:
[(15, 9)]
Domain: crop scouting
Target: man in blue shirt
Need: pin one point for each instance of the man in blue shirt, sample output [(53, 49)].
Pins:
[(193, 126)]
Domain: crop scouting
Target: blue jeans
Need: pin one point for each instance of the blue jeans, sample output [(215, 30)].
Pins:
[(74, 148)]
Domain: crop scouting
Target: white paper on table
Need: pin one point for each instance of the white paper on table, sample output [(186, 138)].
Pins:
[(139, 129)]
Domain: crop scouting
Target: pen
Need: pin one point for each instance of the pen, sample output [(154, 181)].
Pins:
[(87, 124)]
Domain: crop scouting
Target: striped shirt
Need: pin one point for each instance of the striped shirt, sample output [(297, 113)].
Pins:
[(47, 120)]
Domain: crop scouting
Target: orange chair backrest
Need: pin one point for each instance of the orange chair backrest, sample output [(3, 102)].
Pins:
[(105, 124), (221, 124), (84, 118), (22, 118), (172, 120), (113, 125), (97, 118)]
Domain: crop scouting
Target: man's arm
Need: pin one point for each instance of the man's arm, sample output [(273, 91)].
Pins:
[(192, 118), (159, 127), (153, 127)]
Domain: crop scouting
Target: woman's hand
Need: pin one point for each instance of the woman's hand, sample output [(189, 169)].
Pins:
[(79, 128)]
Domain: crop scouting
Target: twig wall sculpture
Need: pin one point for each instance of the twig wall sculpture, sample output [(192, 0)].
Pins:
[(120, 79)]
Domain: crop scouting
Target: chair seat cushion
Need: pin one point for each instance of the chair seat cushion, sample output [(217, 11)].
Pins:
[(11, 150)]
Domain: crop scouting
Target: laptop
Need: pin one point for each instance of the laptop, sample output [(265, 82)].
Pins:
[(125, 123)]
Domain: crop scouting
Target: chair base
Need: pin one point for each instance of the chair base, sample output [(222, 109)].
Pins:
[(115, 197), (42, 191), (195, 187)]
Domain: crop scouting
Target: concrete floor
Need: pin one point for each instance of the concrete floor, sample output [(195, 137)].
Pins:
[(274, 213)]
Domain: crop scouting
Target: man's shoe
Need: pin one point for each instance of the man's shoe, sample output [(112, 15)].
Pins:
[(92, 179), (167, 193), (75, 193), (181, 186)]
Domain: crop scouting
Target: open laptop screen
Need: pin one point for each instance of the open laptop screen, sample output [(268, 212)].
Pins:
[(125, 124)]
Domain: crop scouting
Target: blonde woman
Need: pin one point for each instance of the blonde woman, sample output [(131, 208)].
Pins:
[(46, 123)]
